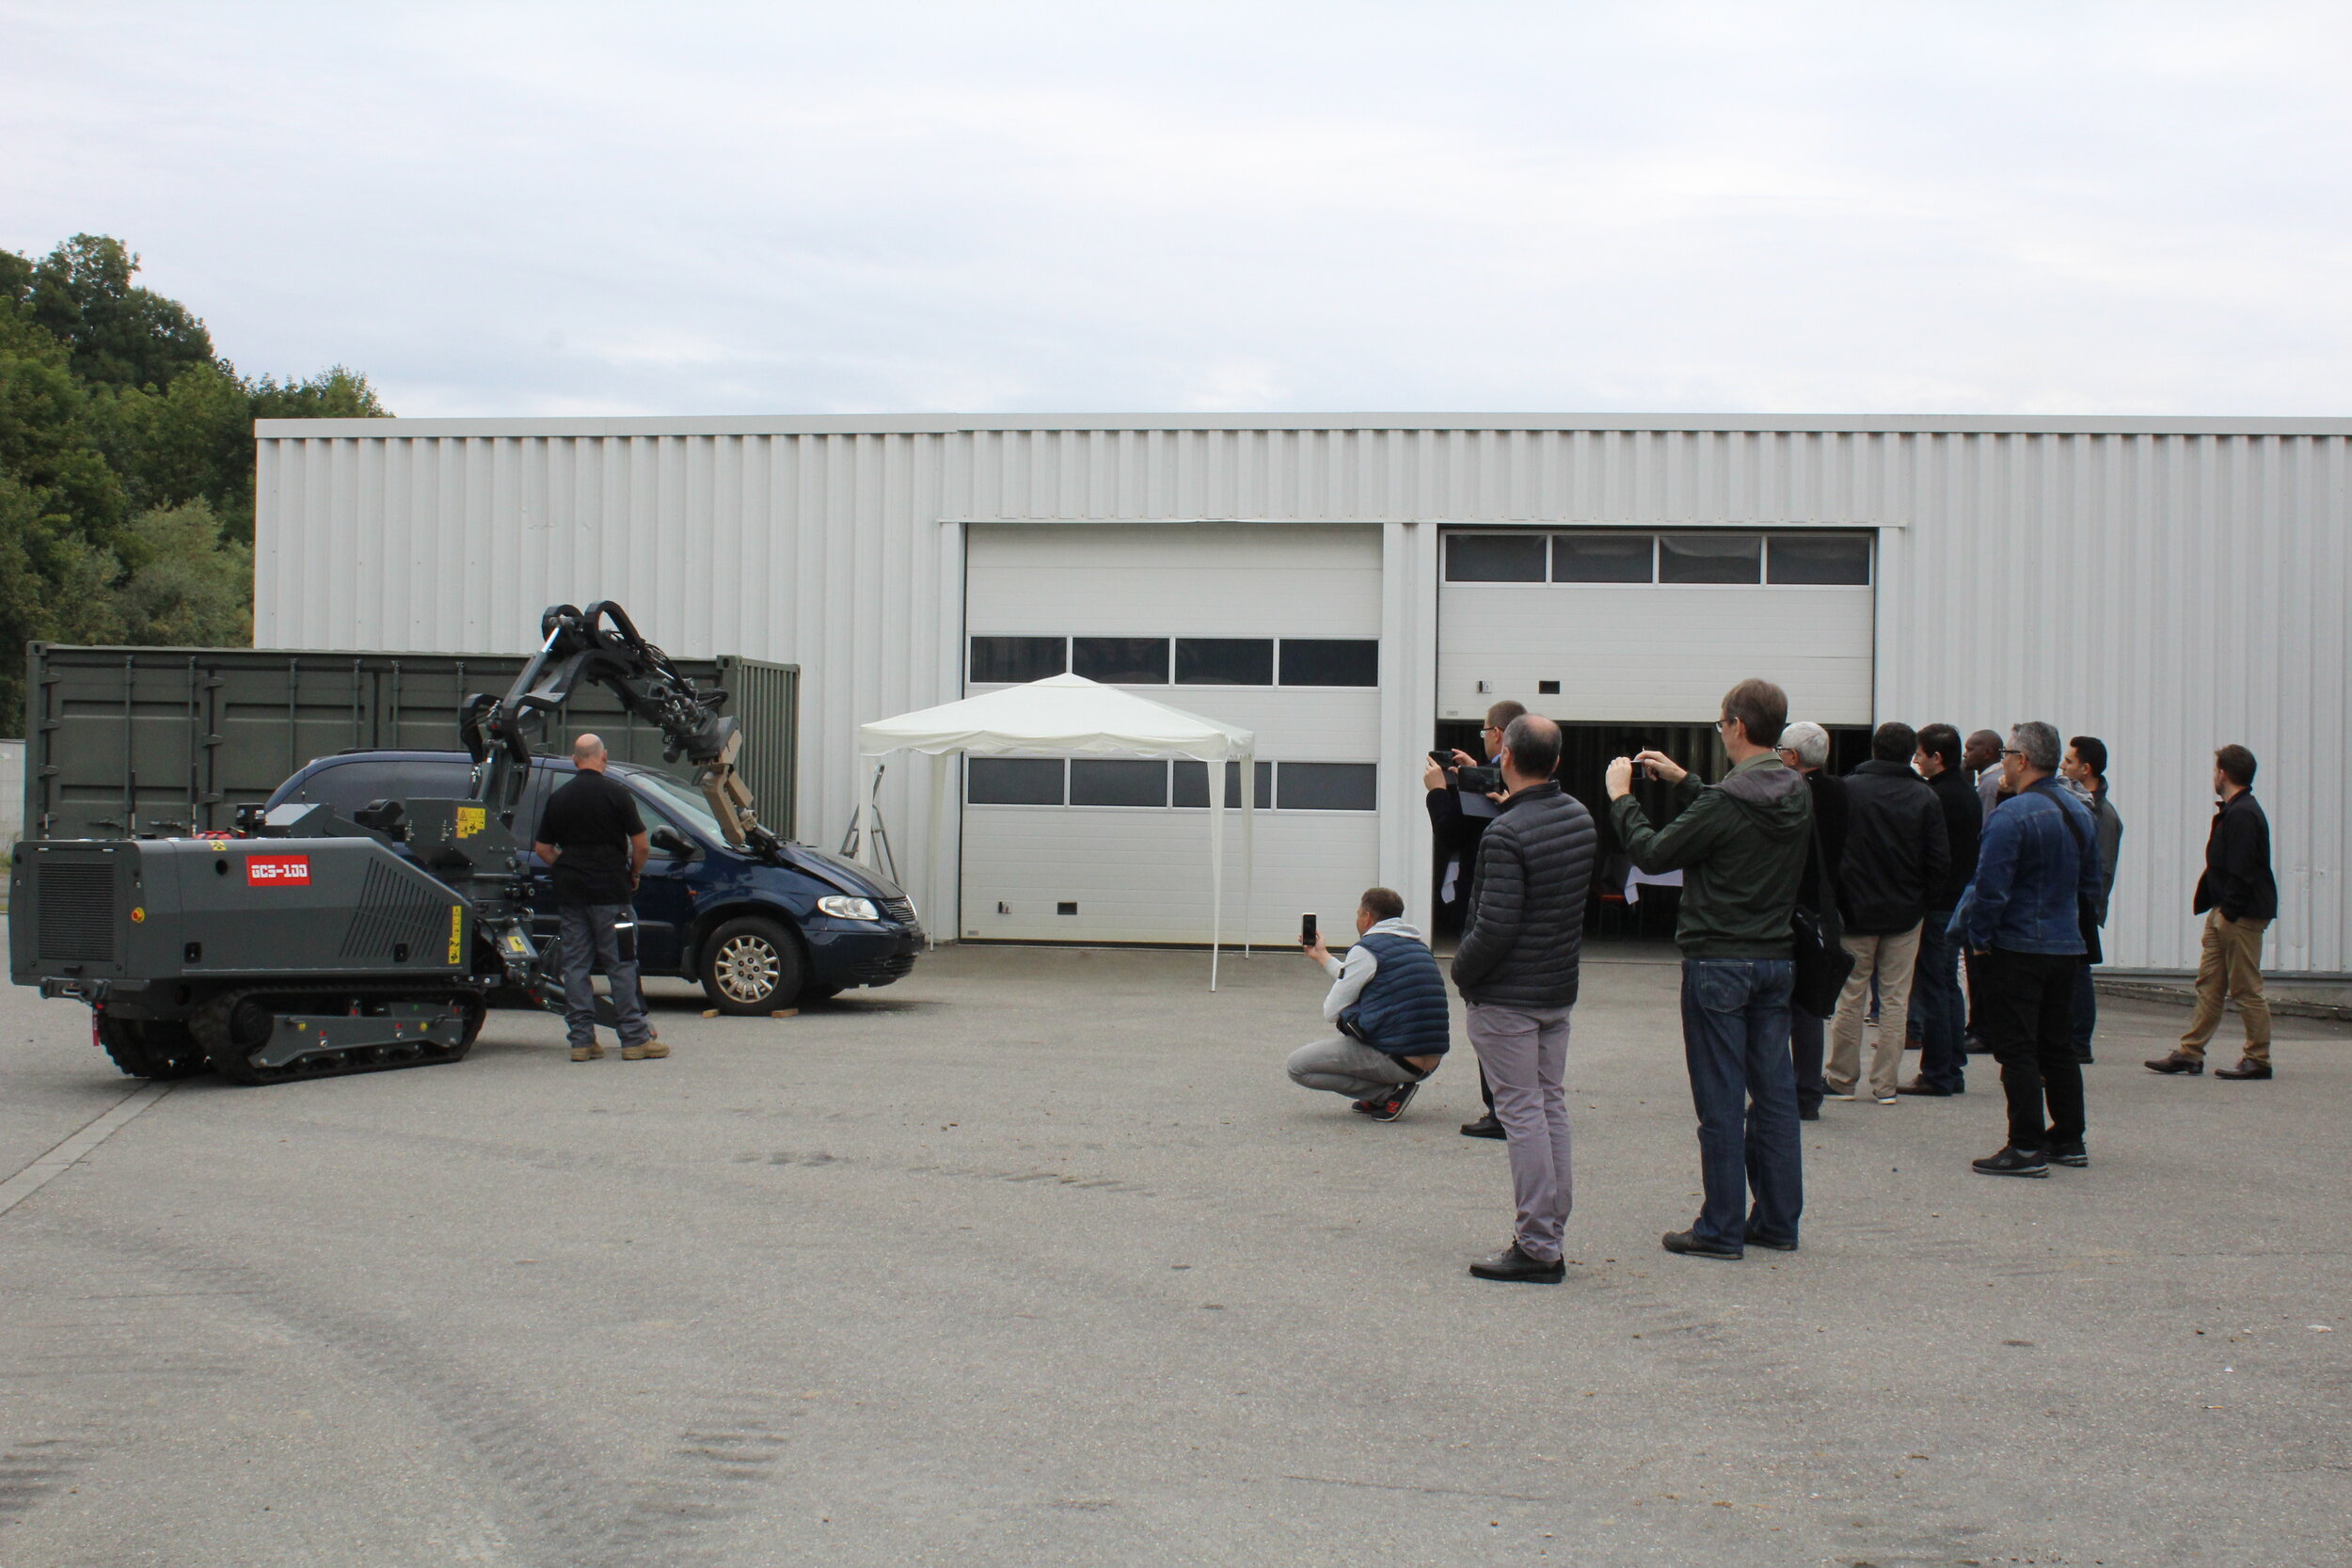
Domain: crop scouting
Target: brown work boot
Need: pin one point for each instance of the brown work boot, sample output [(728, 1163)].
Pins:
[(653, 1049), (586, 1052)]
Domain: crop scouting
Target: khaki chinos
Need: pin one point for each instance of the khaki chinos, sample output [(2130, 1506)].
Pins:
[(2231, 964), (1892, 957)]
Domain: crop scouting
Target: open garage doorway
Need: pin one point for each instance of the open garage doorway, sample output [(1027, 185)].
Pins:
[(1648, 914)]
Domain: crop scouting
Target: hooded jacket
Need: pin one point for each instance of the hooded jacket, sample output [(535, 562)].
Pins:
[(1524, 932), (1896, 850), (1740, 846)]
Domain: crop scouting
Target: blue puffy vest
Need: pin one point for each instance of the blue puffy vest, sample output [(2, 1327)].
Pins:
[(1403, 1011)]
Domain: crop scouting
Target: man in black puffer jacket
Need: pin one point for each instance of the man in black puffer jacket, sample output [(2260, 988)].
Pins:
[(1896, 853), (1517, 969)]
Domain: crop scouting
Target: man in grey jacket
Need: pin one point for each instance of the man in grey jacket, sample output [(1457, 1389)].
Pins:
[(1517, 969)]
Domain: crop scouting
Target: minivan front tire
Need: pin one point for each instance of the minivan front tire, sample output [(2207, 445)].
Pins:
[(751, 966)]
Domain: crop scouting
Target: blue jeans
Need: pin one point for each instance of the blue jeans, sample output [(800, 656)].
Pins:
[(1735, 1040), (1937, 1008)]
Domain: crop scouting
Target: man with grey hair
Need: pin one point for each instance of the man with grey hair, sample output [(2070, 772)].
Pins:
[(595, 845), (1804, 746), (2036, 872)]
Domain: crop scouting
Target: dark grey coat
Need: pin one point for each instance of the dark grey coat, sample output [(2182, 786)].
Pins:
[(1524, 931)]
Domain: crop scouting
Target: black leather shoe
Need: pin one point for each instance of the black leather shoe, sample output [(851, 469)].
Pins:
[(2070, 1153), (1517, 1267), (1755, 1240), (2084, 1057), (2180, 1061), (1920, 1085), (1808, 1113), (1484, 1127), (1688, 1244), (2244, 1070), (2012, 1161)]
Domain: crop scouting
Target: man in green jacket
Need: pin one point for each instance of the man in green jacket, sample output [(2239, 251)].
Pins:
[(1740, 846)]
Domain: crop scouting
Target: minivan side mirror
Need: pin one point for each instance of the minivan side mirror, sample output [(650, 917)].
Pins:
[(671, 843)]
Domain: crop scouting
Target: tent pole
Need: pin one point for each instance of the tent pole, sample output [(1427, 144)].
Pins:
[(944, 771), (1248, 772), (1217, 864)]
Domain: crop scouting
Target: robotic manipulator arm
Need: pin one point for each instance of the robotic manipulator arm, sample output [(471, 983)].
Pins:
[(577, 645)]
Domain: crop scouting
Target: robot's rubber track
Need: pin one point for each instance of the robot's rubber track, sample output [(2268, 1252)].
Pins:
[(213, 1026)]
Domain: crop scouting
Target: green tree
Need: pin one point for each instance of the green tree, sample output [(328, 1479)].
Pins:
[(126, 460), (119, 334)]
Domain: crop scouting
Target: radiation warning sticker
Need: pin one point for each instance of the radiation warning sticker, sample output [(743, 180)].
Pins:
[(472, 821), (456, 931)]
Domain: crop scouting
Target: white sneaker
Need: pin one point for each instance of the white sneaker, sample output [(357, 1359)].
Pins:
[(1885, 1098)]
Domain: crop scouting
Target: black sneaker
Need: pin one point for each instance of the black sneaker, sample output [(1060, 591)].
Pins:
[(2068, 1153), (1688, 1244), (1393, 1107), (1808, 1113), (2012, 1161), (1513, 1265), (1484, 1127)]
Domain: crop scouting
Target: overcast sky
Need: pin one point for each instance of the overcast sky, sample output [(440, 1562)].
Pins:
[(681, 208)]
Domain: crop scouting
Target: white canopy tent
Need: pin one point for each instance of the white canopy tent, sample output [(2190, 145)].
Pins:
[(1067, 715)]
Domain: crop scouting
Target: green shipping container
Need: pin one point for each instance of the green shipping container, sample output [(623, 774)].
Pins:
[(127, 741)]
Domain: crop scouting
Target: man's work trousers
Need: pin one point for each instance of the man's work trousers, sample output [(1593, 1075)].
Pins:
[(2231, 965), (1735, 1040), (1935, 1002), (2029, 1003), (1524, 1053), (601, 936), (1348, 1067), (1889, 958)]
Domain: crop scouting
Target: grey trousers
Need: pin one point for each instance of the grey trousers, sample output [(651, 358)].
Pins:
[(1525, 1053), (601, 936), (1348, 1067)]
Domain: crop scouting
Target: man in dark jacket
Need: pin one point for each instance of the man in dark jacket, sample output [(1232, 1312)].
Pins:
[(2036, 868), (1457, 820), (1387, 1003), (1516, 968), (1741, 847), (1896, 852), (1936, 1001), (2085, 770), (1805, 747), (2239, 898)]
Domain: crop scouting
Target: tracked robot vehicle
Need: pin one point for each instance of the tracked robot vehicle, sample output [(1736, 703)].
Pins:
[(310, 946)]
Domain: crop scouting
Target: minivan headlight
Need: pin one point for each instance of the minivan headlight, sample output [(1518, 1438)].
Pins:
[(843, 908)]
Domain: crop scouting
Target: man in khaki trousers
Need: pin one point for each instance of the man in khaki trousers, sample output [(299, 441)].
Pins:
[(1896, 850), (2239, 898)]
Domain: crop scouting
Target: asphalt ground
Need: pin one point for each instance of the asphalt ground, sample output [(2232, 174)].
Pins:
[(1036, 1258)]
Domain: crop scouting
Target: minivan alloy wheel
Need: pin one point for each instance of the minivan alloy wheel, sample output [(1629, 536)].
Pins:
[(747, 968)]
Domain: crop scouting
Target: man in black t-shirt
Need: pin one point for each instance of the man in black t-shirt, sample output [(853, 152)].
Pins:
[(593, 841)]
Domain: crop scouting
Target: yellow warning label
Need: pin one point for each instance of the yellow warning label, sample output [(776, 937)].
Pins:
[(456, 931), (472, 821)]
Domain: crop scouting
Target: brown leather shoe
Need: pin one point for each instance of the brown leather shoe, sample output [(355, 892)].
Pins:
[(2180, 1061), (2247, 1068)]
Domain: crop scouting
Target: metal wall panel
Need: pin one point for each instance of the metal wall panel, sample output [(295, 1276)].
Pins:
[(2167, 584)]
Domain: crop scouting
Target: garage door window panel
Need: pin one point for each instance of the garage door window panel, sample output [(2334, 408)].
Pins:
[(1494, 558), (1192, 783), (1329, 786), (1014, 781), (1330, 661), (1225, 662), (1819, 559), (1697, 557), (1603, 557), (1121, 660), (1094, 781), (1014, 660)]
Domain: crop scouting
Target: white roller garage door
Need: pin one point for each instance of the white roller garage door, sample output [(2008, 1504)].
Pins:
[(1275, 627), (1595, 626)]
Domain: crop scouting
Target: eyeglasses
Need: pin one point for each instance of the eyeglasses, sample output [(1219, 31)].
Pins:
[(2011, 751)]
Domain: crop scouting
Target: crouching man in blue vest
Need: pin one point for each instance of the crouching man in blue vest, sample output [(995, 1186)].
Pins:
[(1388, 1002)]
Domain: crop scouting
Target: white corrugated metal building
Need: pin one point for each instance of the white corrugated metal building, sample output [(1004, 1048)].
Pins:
[(1347, 585)]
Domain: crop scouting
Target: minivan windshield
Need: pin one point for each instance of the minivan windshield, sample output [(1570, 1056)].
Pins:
[(679, 800)]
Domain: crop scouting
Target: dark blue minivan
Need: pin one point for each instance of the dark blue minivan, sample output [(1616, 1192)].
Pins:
[(758, 937)]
